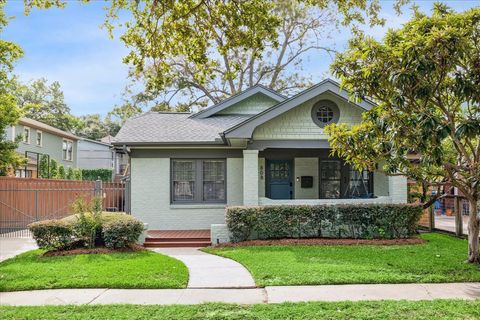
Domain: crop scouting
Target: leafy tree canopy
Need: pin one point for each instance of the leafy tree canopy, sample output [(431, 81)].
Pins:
[(198, 52), (45, 103), (9, 112), (425, 79)]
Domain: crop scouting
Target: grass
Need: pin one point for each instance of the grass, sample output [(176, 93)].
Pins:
[(439, 309), (141, 269), (440, 259)]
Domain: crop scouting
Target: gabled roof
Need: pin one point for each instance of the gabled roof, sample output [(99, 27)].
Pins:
[(237, 98), (245, 128), (174, 128), (45, 127)]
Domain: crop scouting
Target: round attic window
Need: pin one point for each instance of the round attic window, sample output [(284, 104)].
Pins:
[(325, 112)]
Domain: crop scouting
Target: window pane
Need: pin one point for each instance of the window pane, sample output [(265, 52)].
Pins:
[(26, 135), (69, 150), (213, 180), (39, 138), (183, 176), (64, 149), (358, 186)]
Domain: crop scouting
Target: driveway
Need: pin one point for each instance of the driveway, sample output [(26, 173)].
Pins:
[(10, 247)]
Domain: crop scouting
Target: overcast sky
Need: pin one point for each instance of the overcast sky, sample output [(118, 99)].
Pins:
[(68, 46)]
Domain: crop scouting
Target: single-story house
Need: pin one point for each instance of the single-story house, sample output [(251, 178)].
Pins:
[(257, 147)]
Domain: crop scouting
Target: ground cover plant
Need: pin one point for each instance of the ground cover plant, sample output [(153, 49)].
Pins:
[(439, 309), (440, 259), (138, 269)]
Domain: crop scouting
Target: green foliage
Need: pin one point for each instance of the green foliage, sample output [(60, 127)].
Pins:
[(93, 174), (53, 168), (9, 111), (342, 221), (77, 174), (137, 269), (52, 234), (439, 260), (88, 225), (424, 78), (45, 103), (344, 310), (61, 172), (122, 231), (69, 174), (43, 167)]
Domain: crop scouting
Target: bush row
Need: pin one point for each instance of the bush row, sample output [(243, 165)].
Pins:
[(334, 221), (93, 174), (113, 230)]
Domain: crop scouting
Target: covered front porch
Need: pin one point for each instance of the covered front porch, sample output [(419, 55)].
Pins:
[(276, 176)]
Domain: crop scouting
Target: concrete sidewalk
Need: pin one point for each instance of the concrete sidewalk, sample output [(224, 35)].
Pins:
[(210, 271), (466, 291), (10, 247)]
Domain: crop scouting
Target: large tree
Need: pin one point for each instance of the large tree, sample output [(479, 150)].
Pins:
[(45, 102), (9, 112), (197, 52), (425, 79)]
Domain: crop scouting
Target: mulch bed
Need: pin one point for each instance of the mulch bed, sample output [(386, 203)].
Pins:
[(97, 250), (324, 242)]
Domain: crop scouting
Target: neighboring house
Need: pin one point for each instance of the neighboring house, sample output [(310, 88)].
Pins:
[(94, 154), (38, 139), (254, 148)]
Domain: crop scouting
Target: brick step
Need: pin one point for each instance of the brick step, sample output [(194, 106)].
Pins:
[(199, 239), (189, 244)]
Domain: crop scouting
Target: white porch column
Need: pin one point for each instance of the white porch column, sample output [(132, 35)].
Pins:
[(397, 188), (250, 177)]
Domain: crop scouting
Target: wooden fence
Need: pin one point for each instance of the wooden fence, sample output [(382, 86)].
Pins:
[(23, 201)]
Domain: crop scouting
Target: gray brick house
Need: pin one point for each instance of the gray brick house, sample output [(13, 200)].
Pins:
[(255, 148)]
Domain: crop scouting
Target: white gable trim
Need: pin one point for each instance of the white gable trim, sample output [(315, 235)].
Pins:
[(238, 98), (245, 129)]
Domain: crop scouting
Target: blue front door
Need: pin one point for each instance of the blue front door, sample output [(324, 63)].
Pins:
[(279, 179)]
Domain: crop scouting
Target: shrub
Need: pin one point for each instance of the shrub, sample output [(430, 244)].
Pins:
[(69, 173), (93, 174), (53, 169), (87, 227), (77, 174), (61, 172), (43, 167), (52, 234), (337, 221), (122, 231)]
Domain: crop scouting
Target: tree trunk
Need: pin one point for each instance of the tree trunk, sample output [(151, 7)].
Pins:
[(473, 233)]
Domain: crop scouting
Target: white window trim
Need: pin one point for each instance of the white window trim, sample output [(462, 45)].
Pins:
[(13, 133), (29, 134), (66, 155), (41, 138)]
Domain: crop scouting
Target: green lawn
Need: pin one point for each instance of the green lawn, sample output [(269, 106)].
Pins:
[(143, 269), (441, 259), (439, 309)]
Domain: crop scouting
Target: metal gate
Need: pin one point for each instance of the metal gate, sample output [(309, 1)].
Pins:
[(23, 201)]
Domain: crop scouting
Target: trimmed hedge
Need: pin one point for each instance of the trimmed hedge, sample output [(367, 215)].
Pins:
[(52, 234), (119, 233), (332, 221), (114, 230), (93, 174)]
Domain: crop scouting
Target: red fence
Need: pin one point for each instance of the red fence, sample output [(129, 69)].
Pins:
[(23, 201)]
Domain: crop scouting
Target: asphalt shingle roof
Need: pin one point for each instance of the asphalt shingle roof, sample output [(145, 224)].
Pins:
[(167, 127)]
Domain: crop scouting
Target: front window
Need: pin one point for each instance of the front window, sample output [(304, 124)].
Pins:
[(67, 150), (26, 135), (359, 185), (39, 138), (198, 181)]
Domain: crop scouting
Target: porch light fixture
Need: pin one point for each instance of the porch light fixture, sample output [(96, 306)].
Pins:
[(325, 112)]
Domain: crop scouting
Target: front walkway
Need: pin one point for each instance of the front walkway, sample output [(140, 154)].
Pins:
[(466, 291), (10, 247), (210, 271)]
